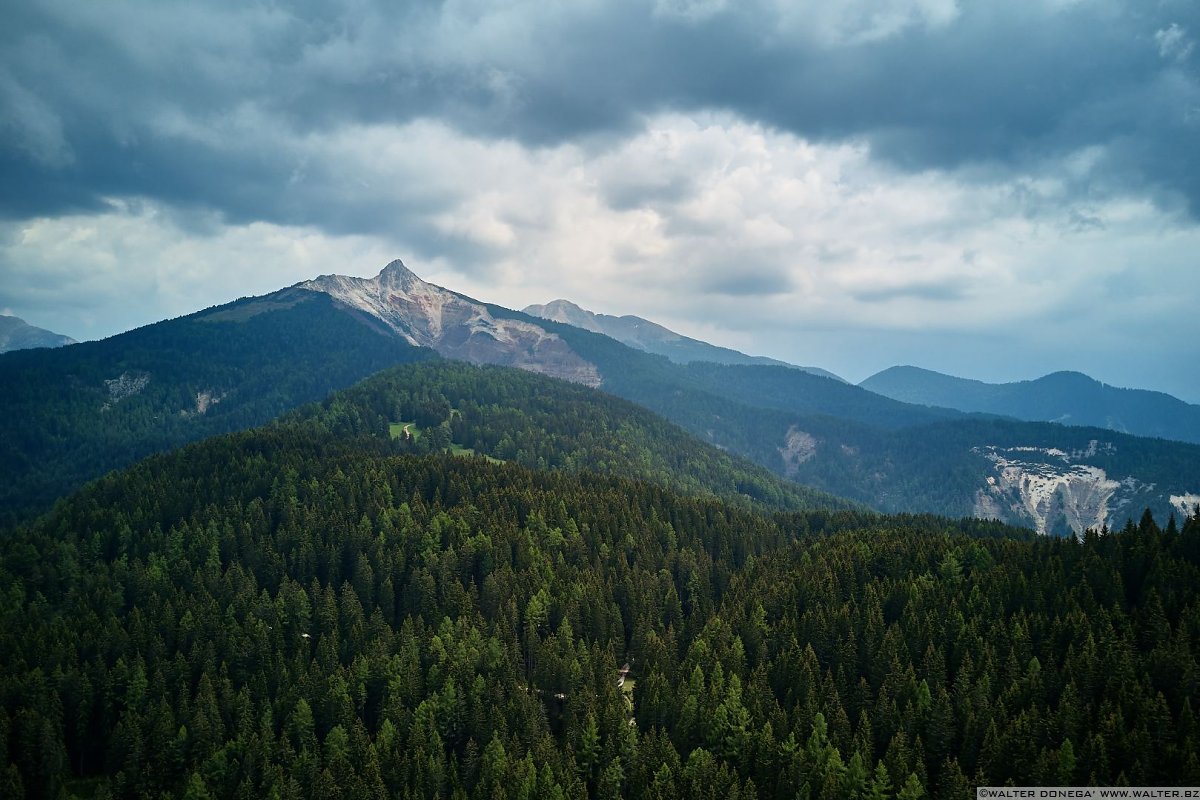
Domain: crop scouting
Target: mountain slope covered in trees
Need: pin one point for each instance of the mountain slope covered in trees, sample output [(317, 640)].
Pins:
[(70, 414), (303, 613), (512, 415), (1027, 473)]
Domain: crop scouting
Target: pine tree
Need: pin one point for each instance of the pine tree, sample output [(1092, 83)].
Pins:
[(881, 784), (912, 789)]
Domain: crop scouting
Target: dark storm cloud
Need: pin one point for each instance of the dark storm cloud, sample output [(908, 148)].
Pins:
[(742, 279), (93, 98), (945, 291)]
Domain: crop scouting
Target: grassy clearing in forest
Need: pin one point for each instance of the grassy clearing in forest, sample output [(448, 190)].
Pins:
[(396, 430)]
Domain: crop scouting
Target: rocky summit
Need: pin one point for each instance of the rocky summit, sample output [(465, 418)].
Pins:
[(454, 325)]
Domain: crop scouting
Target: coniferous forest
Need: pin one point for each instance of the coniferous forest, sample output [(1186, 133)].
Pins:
[(319, 609)]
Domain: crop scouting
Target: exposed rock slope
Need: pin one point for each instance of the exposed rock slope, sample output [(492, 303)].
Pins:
[(1043, 488), (454, 325)]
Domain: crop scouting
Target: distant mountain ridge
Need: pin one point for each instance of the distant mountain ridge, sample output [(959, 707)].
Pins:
[(1069, 398), (17, 334), (654, 338)]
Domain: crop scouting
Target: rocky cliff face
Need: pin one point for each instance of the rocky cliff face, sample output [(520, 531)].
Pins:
[(455, 326), (1058, 493), (1185, 504), (1030, 474)]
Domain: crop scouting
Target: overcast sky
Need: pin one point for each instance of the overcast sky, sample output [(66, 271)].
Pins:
[(992, 189)]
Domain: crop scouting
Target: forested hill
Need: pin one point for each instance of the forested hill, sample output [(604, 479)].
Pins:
[(542, 423), (294, 614), (71, 414), (1088, 477)]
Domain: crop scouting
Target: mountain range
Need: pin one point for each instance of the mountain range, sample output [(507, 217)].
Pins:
[(17, 334), (96, 406), (1069, 398)]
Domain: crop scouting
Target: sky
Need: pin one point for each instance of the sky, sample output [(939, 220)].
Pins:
[(997, 190)]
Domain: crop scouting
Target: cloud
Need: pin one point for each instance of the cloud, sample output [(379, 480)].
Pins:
[(953, 289), (30, 126), (1173, 43), (186, 104), (746, 280)]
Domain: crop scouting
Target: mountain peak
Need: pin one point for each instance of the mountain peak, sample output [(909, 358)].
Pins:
[(17, 334), (396, 267), (396, 274), (566, 312), (651, 337), (1068, 378), (561, 305)]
